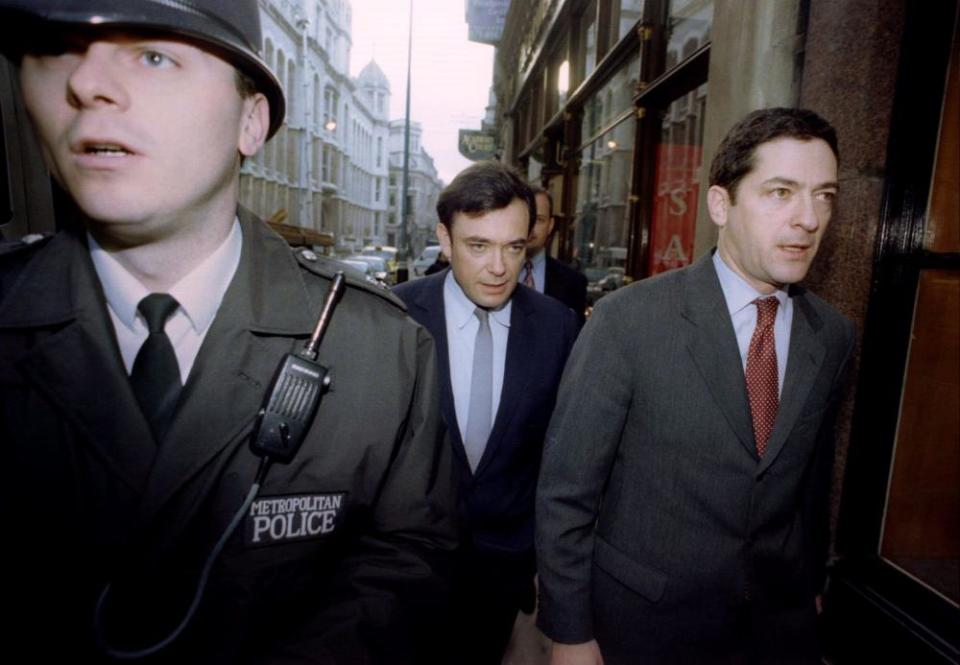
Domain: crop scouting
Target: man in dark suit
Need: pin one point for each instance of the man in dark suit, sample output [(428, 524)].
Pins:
[(543, 272), (682, 504), (501, 348), (137, 346)]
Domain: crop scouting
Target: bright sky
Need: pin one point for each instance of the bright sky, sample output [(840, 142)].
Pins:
[(451, 76)]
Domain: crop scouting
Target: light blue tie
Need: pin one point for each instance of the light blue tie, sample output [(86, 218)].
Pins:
[(481, 392)]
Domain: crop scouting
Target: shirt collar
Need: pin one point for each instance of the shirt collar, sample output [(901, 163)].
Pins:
[(199, 293), (122, 290), (539, 259), (460, 308), (736, 291)]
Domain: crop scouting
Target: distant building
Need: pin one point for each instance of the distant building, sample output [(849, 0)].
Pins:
[(423, 189), (326, 168)]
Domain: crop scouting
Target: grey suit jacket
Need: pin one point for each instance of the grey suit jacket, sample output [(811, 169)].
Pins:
[(658, 526)]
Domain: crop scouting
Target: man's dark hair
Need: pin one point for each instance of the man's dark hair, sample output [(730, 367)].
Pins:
[(541, 190), (734, 158), (482, 187)]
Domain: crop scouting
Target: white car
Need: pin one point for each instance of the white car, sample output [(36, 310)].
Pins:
[(378, 268), (426, 259)]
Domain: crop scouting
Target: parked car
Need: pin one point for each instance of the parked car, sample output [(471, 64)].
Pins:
[(602, 281), (378, 267), (385, 252), (426, 259)]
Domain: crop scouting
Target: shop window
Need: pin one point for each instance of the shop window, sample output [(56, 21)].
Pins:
[(677, 181), (601, 230), (557, 83), (588, 39), (895, 583), (534, 169), (624, 16), (920, 525), (688, 28), (563, 82)]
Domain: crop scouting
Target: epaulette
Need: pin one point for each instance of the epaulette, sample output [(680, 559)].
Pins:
[(28, 243), (327, 268)]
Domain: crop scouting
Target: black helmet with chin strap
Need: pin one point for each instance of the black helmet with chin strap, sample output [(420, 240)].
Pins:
[(230, 27)]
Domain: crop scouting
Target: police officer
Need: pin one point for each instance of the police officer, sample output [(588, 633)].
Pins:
[(136, 347)]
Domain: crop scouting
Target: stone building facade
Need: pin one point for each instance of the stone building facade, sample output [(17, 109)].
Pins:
[(327, 168)]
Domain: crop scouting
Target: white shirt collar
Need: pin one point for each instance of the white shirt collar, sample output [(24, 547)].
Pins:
[(539, 259), (736, 291), (460, 308), (199, 293)]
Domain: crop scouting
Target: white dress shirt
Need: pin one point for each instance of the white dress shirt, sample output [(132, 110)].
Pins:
[(539, 271), (199, 293), (740, 296), (462, 326)]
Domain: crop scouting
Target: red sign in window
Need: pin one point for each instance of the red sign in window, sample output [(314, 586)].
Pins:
[(675, 207)]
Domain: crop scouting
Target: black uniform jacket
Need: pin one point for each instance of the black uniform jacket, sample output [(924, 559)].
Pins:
[(340, 559), (567, 285)]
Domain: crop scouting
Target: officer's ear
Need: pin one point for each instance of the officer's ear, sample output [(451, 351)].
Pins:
[(254, 125)]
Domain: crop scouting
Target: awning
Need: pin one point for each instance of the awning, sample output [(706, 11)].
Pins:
[(297, 236)]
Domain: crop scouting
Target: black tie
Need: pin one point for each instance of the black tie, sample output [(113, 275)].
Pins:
[(156, 375)]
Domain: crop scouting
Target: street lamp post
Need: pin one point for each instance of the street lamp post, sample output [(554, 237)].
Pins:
[(306, 159), (405, 198)]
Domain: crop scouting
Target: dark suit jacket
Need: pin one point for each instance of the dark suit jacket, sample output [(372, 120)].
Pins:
[(498, 498), (90, 498), (660, 533), (567, 285)]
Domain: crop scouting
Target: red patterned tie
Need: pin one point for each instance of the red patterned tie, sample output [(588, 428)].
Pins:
[(762, 380), (528, 278)]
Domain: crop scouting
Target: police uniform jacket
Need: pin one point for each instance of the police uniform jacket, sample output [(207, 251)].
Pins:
[(341, 558)]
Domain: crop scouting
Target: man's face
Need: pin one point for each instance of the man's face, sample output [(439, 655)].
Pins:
[(772, 233), (486, 252), (144, 133), (542, 228)]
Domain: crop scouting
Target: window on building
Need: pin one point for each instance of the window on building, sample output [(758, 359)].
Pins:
[(677, 180), (687, 29), (331, 102), (601, 223), (920, 535), (624, 15), (588, 39), (557, 83), (292, 92), (317, 119)]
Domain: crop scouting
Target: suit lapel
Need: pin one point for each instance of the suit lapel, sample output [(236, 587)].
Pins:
[(804, 359), (427, 306), (81, 354), (517, 370), (550, 285), (254, 326), (713, 345)]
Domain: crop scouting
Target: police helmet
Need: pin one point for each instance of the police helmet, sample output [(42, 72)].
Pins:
[(230, 27)]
